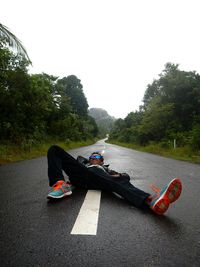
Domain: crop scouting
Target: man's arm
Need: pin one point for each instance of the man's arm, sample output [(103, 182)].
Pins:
[(118, 174), (82, 160)]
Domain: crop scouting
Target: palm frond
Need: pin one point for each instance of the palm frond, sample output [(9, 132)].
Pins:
[(13, 41)]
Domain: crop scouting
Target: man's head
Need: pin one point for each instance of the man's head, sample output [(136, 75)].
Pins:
[(96, 158)]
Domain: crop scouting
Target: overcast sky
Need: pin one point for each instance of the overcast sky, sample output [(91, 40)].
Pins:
[(115, 47)]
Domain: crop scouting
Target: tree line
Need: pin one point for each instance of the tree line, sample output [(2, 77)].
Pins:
[(170, 111), (36, 106)]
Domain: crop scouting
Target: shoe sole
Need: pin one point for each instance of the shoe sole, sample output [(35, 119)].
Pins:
[(59, 197), (168, 196), (173, 190), (160, 206)]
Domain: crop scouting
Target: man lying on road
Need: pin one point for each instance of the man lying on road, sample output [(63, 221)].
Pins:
[(93, 174)]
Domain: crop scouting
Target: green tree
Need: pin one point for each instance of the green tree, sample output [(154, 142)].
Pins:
[(171, 109), (42, 103), (13, 81), (34, 106), (177, 89), (180, 88), (156, 121), (72, 88), (118, 127)]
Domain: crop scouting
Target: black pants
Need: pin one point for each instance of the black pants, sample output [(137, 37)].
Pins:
[(90, 178)]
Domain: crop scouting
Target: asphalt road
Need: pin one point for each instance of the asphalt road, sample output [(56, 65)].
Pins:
[(36, 232)]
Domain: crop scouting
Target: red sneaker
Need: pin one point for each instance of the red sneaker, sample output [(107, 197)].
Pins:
[(170, 193)]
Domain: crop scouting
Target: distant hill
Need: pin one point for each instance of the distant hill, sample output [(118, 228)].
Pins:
[(104, 121)]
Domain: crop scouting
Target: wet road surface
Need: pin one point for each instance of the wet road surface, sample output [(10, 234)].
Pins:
[(36, 232)]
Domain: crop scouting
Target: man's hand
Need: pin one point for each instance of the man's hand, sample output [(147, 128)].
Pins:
[(121, 175), (124, 174), (116, 175)]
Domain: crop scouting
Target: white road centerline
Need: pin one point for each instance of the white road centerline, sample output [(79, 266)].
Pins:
[(87, 220), (103, 151)]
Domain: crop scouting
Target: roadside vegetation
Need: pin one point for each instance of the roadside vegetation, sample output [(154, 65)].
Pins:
[(12, 153), (168, 122), (180, 153), (37, 110)]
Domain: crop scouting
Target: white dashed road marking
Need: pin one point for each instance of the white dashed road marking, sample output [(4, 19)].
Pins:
[(103, 151), (87, 220)]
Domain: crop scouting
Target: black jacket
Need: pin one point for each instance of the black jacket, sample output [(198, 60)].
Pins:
[(103, 167)]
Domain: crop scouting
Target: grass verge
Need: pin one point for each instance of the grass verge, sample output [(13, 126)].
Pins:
[(12, 153), (180, 153)]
